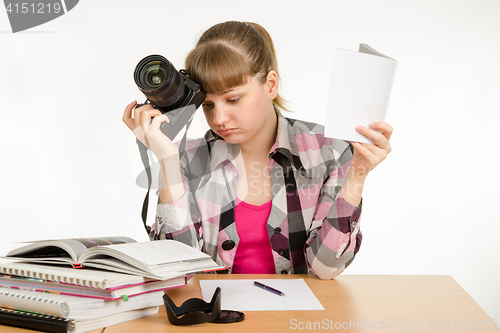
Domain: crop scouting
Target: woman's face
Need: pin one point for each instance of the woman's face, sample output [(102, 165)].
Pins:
[(242, 113)]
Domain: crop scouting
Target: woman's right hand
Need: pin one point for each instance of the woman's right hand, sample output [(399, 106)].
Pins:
[(147, 131)]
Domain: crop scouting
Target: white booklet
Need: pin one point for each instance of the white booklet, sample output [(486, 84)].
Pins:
[(360, 90)]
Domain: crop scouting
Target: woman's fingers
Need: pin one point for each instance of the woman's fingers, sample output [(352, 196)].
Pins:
[(155, 124), (127, 115), (151, 128), (143, 115), (368, 156), (134, 117), (380, 134), (145, 123), (384, 127), (139, 119), (370, 152)]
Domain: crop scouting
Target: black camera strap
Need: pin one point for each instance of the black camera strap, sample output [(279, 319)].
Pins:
[(145, 161), (143, 150)]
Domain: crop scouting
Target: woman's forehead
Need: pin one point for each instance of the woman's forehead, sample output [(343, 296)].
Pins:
[(232, 88)]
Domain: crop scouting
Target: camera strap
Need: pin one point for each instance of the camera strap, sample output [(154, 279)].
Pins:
[(145, 161), (143, 150)]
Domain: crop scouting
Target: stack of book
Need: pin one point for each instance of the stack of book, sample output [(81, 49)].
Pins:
[(108, 281)]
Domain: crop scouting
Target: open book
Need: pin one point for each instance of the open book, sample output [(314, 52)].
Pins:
[(162, 259), (360, 88)]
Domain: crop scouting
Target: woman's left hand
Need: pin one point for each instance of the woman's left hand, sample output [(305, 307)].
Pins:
[(368, 156)]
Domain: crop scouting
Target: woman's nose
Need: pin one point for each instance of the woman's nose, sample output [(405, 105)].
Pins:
[(221, 115)]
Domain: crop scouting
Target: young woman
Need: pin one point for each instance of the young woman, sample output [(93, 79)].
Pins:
[(260, 193)]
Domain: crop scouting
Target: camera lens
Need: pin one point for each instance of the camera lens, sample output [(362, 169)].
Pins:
[(157, 78), (155, 74)]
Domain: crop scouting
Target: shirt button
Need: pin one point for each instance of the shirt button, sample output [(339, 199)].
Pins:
[(228, 245), (284, 271), (277, 230), (281, 252), (353, 224)]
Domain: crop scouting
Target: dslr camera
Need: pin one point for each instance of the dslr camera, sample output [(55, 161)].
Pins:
[(168, 90)]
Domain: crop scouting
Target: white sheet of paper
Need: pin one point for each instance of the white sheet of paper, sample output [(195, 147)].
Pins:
[(360, 88), (242, 295)]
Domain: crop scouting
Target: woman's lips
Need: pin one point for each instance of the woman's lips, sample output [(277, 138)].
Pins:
[(227, 131)]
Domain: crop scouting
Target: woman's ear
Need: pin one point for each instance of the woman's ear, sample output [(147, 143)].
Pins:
[(272, 84)]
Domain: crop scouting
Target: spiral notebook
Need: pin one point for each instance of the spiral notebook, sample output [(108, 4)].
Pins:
[(74, 307), (33, 321), (47, 323), (84, 277), (80, 282)]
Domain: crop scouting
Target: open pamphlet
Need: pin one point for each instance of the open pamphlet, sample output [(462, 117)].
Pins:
[(360, 89), (161, 259)]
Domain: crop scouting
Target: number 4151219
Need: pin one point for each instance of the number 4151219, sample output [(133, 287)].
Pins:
[(34, 8)]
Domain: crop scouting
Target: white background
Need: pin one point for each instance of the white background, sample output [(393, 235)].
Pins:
[(68, 164)]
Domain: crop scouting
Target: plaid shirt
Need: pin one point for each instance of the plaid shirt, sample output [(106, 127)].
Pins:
[(311, 227)]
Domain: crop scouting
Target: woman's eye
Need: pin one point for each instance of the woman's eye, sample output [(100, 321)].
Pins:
[(207, 105), (234, 100)]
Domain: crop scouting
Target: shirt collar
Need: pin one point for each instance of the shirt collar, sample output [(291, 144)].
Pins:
[(285, 139), (286, 144), (220, 150)]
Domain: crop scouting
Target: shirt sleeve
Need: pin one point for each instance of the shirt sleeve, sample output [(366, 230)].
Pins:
[(181, 220), (334, 236)]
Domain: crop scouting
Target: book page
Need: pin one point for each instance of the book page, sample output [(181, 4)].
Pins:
[(117, 265), (365, 48), (360, 88), (103, 241), (85, 277), (63, 250), (159, 272), (150, 253)]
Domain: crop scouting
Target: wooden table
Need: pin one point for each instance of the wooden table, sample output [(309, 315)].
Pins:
[(361, 303)]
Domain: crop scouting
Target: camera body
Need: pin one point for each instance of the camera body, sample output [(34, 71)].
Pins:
[(168, 90)]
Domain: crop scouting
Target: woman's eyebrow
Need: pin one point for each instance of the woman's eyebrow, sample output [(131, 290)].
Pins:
[(226, 91)]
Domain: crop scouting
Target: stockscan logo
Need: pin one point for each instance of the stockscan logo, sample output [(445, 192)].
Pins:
[(28, 14)]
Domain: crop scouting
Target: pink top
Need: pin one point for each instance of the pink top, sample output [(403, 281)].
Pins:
[(254, 254)]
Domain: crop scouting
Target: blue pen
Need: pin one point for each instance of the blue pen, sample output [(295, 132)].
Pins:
[(263, 286)]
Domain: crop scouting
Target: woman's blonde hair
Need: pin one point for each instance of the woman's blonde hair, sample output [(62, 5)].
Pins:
[(228, 53)]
